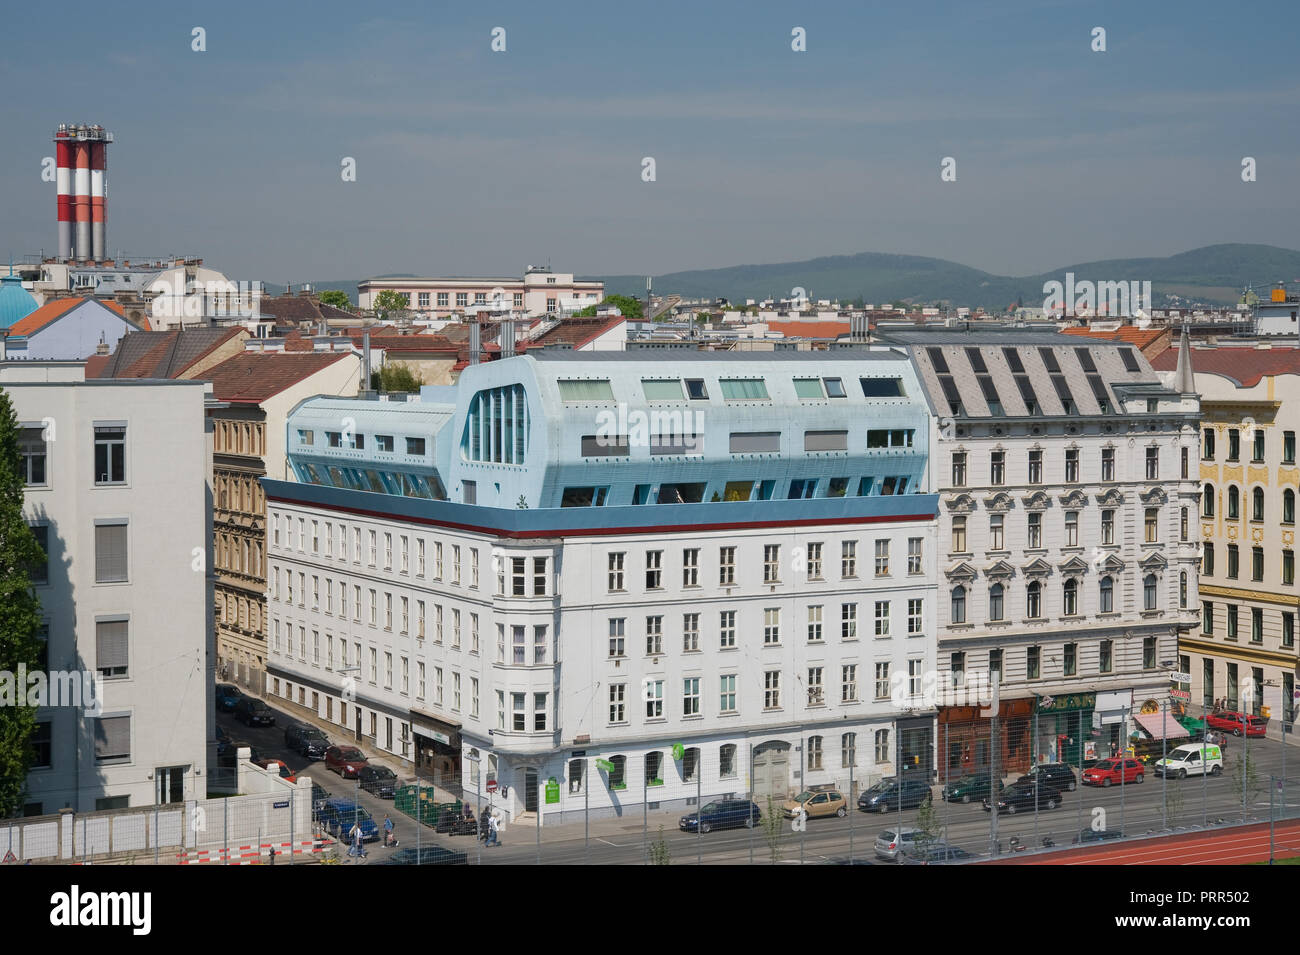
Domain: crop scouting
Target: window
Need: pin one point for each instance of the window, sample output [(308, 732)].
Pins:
[(112, 738), (959, 535), (691, 696), (1183, 524), (882, 618), (1071, 465), (743, 389), (111, 648), (1257, 504), (996, 538), (816, 697), (997, 467), (1257, 563), (1106, 594), (654, 699), (1256, 625), (1071, 659), (1148, 653), (1207, 618), (772, 689), (691, 567), (995, 602), (1288, 567), (31, 447), (726, 566), (1234, 504), (771, 563), (1232, 622), (814, 561), (1182, 592), (1232, 561), (914, 555), (616, 572), (727, 694), (1108, 464), (1234, 444), (690, 632), (1185, 470), (40, 572), (848, 558), (1288, 506), (882, 558), (1257, 448), (1153, 464), (654, 574), (1207, 500), (1034, 536), (617, 646), (915, 616), (1207, 444), (1035, 467), (110, 455), (814, 752), (727, 629), (915, 676), (882, 746), (1207, 563), (957, 666), (1149, 592), (1033, 662), (848, 621), (110, 553), (654, 635), (1288, 629), (815, 624), (1071, 528), (617, 706), (995, 663), (1070, 598), (539, 643), (1151, 524), (1288, 447), (849, 750), (958, 614), (959, 469)]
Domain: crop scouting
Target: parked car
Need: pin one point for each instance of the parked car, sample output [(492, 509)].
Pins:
[(1110, 772), (974, 786), (1086, 836), (253, 712), (319, 795), (888, 795), (1238, 724), (826, 802), (338, 816), (378, 781), (892, 841), (426, 855), (347, 761), (454, 822), (1057, 775), (228, 752), (227, 696), (722, 814), (306, 740), (285, 772), (1190, 759), (933, 853), (1019, 797)]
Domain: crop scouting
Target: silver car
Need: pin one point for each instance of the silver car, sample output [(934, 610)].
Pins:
[(891, 841)]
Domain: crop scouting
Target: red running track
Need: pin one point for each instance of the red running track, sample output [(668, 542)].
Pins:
[(1237, 845)]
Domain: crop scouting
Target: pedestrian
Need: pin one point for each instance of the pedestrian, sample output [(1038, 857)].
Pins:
[(356, 841), (388, 832), (494, 830)]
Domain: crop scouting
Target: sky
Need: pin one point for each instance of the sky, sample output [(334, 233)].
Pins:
[(471, 161)]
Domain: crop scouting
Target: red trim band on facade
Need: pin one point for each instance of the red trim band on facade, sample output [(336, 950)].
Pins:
[(608, 531)]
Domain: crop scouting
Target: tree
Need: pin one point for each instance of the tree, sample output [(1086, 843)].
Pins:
[(394, 377), (927, 821), (773, 830), (337, 298), (388, 301), (632, 308), (20, 618), (659, 854), (1251, 786)]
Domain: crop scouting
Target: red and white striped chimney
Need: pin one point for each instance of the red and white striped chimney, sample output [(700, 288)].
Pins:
[(81, 196), (63, 184), (82, 181), (98, 196)]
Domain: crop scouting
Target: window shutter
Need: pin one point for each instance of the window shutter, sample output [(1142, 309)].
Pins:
[(111, 644), (112, 737), (110, 553)]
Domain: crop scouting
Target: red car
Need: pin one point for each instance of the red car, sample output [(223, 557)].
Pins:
[(1108, 772), (347, 761), (1238, 724), (282, 767)]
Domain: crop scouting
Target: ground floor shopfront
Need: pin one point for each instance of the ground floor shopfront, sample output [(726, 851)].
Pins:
[(1242, 678)]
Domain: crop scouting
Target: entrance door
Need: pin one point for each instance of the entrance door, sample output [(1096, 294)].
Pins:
[(771, 772), (358, 728), (170, 783), (530, 790)]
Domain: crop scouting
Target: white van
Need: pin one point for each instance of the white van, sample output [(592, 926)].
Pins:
[(1190, 759)]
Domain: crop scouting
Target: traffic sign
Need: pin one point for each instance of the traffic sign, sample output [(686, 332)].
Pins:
[(10, 857), (492, 785)]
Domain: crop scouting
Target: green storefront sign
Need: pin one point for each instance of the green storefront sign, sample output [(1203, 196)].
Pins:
[(678, 751), (605, 764), (1063, 723), (552, 790), (1066, 701)]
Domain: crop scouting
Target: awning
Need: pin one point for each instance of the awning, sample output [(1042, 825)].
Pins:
[(1161, 725), (1192, 724)]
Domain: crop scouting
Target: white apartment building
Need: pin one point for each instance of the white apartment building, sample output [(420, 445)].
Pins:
[(118, 493), (1067, 541), (539, 292)]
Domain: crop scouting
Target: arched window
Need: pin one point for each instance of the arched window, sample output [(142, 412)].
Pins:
[(1107, 593), (1034, 599), (995, 602), (1257, 504), (1182, 591), (617, 777), (1149, 592), (1070, 592), (958, 604), (1207, 501), (1234, 504), (1288, 506)]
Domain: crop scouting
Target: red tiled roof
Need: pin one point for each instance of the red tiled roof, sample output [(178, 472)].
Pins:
[(158, 354), (577, 331), (253, 377), (1143, 338), (1245, 366), (820, 329)]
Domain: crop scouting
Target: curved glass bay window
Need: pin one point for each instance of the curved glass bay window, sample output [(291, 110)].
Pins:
[(496, 427)]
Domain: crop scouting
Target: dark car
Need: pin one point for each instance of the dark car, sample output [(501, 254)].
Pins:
[(974, 786), (378, 781), (1086, 836), (319, 794), (1020, 798), (227, 696), (253, 712), (306, 740), (454, 822), (338, 816), (1057, 775), (347, 761), (426, 855), (888, 794), (227, 753), (722, 814), (933, 853)]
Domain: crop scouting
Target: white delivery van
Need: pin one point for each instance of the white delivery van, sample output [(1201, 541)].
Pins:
[(1190, 759)]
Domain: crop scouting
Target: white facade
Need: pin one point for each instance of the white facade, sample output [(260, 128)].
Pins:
[(540, 667), (118, 486)]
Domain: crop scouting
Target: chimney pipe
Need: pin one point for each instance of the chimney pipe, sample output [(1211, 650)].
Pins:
[(365, 361), (506, 337), (475, 339)]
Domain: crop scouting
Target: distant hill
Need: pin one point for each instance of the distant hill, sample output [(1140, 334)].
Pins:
[(1215, 273)]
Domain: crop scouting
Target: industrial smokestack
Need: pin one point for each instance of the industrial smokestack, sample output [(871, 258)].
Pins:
[(98, 198), (81, 196), (82, 184), (63, 185)]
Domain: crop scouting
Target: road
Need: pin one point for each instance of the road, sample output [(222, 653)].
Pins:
[(1135, 809)]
